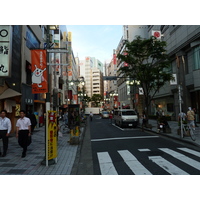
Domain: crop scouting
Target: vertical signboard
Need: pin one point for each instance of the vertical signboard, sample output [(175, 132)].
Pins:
[(69, 56), (39, 71), (5, 51), (52, 135)]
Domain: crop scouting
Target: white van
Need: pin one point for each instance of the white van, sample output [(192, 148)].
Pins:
[(126, 117)]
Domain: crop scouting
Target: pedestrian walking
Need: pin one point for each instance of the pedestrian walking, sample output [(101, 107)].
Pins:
[(23, 132), (191, 117), (144, 120), (157, 116), (5, 128), (33, 120), (110, 117), (182, 116), (91, 116)]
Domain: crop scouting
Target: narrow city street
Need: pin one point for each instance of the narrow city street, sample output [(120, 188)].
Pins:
[(129, 151)]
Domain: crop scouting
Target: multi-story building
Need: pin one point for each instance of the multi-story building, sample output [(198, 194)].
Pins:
[(15, 89), (183, 47), (92, 71), (97, 81), (126, 96), (112, 89), (16, 44)]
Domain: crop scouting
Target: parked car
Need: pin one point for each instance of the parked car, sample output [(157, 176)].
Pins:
[(126, 117), (105, 114)]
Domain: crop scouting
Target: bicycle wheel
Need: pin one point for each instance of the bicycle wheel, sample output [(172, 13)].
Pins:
[(192, 135)]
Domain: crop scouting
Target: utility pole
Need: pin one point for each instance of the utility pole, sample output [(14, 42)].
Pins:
[(180, 106), (48, 101)]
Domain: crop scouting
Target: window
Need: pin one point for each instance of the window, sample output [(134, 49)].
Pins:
[(28, 73), (128, 113), (31, 41), (197, 58)]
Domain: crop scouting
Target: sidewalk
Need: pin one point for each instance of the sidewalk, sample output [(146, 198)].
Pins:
[(13, 164), (174, 126)]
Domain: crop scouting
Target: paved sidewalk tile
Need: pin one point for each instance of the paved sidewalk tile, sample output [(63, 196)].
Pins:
[(13, 164)]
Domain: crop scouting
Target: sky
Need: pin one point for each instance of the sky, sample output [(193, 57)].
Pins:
[(95, 40)]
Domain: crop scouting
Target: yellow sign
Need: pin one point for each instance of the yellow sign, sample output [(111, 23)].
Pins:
[(52, 135)]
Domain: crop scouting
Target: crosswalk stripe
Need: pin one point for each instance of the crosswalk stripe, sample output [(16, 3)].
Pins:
[(182, 158), (196, 153), (106, 165), (133, 163), (167, 166)]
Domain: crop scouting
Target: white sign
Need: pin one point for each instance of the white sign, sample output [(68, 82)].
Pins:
[(157, 34), (5, 51), (174, 82), (141, 92)]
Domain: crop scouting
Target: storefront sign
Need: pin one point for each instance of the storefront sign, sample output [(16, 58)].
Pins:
[(39, 72), (5, 51), (52, 135)]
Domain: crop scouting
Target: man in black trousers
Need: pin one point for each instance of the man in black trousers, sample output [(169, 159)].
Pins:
[(23, 132), (5, 128)]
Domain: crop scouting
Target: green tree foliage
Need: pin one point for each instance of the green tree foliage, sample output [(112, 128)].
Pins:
[(148, 63), (96, 98)]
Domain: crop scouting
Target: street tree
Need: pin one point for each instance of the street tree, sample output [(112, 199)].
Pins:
[(96, 98), (148, 64)]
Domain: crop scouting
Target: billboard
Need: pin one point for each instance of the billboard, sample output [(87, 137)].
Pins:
[(5, 51), (39, 71)]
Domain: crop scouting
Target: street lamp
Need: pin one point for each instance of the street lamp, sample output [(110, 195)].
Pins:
[(132, 90)]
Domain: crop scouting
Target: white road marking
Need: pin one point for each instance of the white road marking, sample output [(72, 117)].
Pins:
[(182, 158), (126, 129), (123, 138), (167, 166), (196, 153), (106, 165), (144, 150), (133, 163)]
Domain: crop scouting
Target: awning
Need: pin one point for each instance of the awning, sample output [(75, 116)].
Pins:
[(9, 93)]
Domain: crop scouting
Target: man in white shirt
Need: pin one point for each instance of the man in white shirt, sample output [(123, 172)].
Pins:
[(23, 132), (5, 128)]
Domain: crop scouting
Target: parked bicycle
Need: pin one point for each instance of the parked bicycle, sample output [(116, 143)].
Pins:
[(63, 127)]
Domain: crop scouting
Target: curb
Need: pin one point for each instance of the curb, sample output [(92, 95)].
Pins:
[(173, 137), (78, 153)]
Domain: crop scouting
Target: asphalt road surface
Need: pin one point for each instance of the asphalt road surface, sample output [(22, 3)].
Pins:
[(129, 151)]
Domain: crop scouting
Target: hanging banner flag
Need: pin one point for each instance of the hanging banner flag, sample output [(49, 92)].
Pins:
[(39, 71), (114, 59)]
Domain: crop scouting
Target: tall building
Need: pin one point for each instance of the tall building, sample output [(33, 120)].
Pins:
[(92, 70), (15, 88), (183, 47), (126, 96)]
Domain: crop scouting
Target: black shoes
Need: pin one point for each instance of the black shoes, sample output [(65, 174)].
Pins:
[(23, 155), (4, 154)]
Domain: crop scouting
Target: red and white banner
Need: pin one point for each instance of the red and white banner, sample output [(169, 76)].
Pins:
[(114, 59), (39, 71)]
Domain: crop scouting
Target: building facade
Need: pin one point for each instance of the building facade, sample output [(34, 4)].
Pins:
[(92, 71), (183, 47), (126, 96)]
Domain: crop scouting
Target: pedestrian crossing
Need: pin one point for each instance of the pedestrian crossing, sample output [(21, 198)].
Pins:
[(179, 161)]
